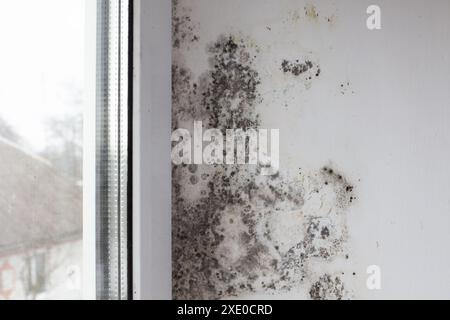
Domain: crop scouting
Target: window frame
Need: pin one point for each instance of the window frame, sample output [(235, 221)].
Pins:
[(152, 92), (107, 221)]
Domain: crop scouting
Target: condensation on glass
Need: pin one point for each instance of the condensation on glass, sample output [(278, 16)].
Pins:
[(112, 252)]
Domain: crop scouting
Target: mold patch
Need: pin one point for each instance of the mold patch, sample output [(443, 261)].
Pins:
[(234, 231), (327, 287), (297, 68), (305, 70), (184, 31)]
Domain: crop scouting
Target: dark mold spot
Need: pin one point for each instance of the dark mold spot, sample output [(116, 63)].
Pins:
[(183, 29), (318, 72), (305, 71), (342, 188), (194, 179), (296, 68), (232, 92), (192, 168), (325, 233), (346, 88), (327, 288)]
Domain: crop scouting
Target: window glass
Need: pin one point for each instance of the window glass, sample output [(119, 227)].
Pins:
[(42, 64)]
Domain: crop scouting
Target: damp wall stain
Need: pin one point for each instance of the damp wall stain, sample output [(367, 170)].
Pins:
[(236, 233), (311, 12), (184, 29)]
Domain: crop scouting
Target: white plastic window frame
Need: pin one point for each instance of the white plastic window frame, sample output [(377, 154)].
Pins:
[(152, 214), (107, 152)]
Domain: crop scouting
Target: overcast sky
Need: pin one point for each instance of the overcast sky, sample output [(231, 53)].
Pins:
[(41, 63)]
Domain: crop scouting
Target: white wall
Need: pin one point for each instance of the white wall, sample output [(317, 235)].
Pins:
[(377, 114)]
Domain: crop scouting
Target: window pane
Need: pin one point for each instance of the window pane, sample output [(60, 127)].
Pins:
[(112, 123), (41, 119)]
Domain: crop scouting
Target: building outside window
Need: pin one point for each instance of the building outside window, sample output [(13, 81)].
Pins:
[(61, 147)]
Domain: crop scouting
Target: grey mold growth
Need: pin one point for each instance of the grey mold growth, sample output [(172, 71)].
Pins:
[(298, 68), (234, 231), (327, 287), (183, 29)]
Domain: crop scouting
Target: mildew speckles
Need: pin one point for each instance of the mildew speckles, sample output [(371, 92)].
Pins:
[(342, 189), (305, 70), (232, 95), (328, 287), (234, 231), (296, 68), (203, 242), (252, 234), (224, 96), (184, 31), (345, 88), (193, 179), (331, 19), (311, 12)]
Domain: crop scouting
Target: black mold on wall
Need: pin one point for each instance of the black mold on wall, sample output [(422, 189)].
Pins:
[(297, 68), (236, 232), (327, 287), (183, 29), (304, 70)]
